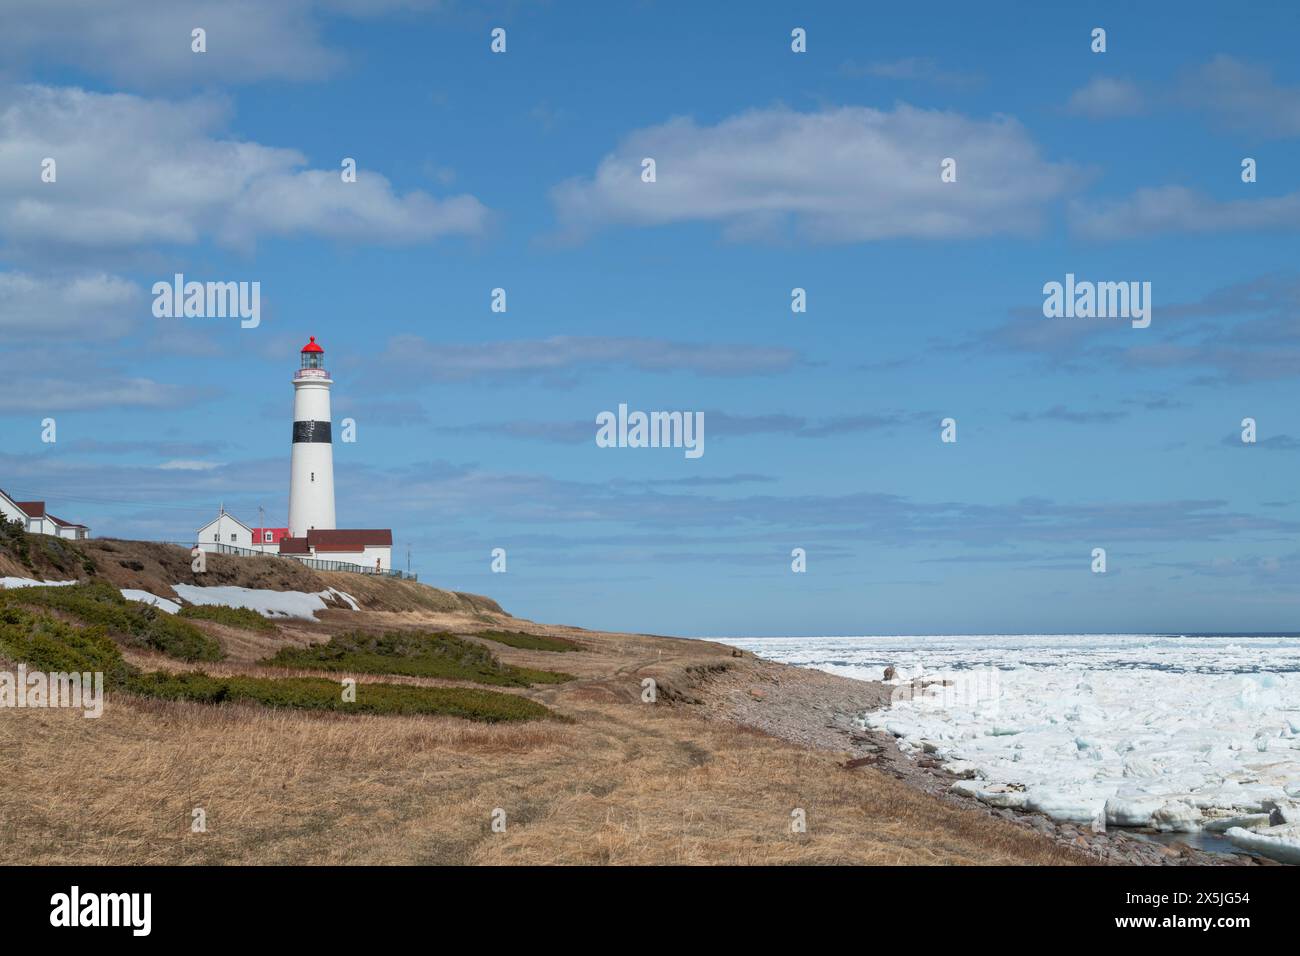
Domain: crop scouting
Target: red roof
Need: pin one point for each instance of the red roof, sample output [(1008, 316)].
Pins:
[(33, 509), (294, 546), (259, 535), (349, 539), (312, 346)]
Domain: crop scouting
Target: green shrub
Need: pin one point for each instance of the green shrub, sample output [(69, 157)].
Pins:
[(530, 642), (48, 645), (134, 622), (234, 616), (13, 537), (412, 654), (317, 693)]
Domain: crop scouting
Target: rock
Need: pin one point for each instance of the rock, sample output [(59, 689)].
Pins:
[(757, 693), (860, 762), (1280, 812), (890, 673)]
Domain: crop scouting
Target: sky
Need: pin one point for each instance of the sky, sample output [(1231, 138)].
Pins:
[(774, 170)]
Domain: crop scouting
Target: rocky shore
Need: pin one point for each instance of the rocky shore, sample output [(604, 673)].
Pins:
[(818, 709)]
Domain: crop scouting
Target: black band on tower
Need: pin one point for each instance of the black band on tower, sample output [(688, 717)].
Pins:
[(311, 432)]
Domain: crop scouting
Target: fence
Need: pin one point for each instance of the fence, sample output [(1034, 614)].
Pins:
[(313, 563)]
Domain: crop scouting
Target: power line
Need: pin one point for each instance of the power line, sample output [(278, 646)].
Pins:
[(29, 495)]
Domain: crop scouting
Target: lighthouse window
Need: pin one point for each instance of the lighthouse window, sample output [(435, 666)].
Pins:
[(313, 476)]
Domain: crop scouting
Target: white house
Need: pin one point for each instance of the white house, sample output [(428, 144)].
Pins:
[(10, 511), (37, 520), (224, 529), (368, 548), (69, 530)]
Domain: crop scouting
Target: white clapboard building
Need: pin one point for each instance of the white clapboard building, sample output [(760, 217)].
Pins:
[(35, 519)]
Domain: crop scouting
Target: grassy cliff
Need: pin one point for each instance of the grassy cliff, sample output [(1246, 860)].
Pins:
[(665, 751)]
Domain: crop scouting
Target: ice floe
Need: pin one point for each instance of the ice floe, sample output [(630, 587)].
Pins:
[(1172, 733), (1278, 843), (299, 604)]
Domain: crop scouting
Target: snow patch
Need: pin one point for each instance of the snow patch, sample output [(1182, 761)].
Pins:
[(343, 596), (29, 583), (282, 604), (133, 594)]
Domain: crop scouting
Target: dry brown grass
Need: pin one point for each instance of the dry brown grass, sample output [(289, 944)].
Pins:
[(627, 783), (674, 782)]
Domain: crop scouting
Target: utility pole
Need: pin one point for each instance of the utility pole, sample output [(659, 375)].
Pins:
[(408, 559)]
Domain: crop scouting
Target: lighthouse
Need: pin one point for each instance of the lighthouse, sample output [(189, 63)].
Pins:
[(311, 467), (311, 536)]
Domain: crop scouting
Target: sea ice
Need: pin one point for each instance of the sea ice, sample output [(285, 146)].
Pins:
[(1277, 843), (1168, 732), (1134, 811)]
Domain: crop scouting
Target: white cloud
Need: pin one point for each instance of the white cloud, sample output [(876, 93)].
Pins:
[(564, 358), (1177, 209), (1105, 96), (1243, 96), (134, 172), (93, 305), (921, 68), (846, 174), (185, 464), (84, 391), (146, 43)]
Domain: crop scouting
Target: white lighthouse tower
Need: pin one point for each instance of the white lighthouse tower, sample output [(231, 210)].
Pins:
[(311, 469)]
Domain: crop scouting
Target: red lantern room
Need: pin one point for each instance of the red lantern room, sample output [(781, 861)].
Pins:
[(313, 356)]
